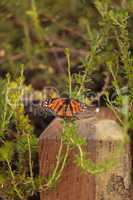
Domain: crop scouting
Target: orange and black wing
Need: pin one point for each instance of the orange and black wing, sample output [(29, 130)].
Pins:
[(64, 107), (58, 105)]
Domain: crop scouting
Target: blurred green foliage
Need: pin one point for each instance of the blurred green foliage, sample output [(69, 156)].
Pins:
[(18, 145), (37, 32)]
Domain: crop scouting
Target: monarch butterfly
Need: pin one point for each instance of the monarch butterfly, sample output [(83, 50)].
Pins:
[(64, 107)]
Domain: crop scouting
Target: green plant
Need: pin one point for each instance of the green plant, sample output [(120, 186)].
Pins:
[(18, 178)]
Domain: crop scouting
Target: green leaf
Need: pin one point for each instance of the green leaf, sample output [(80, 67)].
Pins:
[(7, 151)]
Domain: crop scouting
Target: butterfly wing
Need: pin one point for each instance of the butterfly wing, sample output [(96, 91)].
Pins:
[(64, 107), (55, 104), (75, 106), (58, 106)]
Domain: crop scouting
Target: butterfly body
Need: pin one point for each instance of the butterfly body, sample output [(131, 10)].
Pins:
[(64, 107)]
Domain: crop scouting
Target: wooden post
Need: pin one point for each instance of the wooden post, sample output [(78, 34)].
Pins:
[(103, 137)]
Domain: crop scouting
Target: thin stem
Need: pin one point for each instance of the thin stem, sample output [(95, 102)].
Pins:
[(80, 151), (81, 154), (27, 42), (13, 178), (63, 163), (5, 116), (36, 23), (115, 80), (69, 71), (85, 75), (57, 171), (5, 107), (10, 169), (30, 161), (52, 178), (114, 111), (92, 54)]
